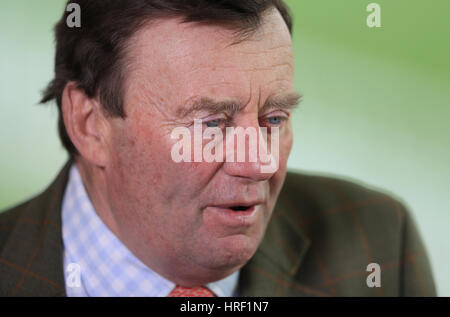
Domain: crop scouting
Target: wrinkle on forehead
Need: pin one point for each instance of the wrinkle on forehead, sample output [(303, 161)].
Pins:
[(170, 60)]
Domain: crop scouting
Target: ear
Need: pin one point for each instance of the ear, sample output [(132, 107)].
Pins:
[(86, 125)]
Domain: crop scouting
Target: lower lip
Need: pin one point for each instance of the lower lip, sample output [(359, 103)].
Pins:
[(233, 218)]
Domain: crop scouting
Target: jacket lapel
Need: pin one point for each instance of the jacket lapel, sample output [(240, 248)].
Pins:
[(272, 270)]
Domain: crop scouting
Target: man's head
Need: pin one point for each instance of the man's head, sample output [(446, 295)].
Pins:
[(122, 89)]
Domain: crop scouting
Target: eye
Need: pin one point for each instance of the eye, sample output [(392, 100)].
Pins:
[(214, 123), (275, 120)]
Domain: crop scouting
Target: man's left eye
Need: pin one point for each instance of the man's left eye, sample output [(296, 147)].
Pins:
[(275, 120)]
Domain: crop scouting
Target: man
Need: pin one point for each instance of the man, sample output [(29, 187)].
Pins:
[(123, 218)]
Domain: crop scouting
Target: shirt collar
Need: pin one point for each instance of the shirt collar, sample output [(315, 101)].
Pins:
[(106, 266)]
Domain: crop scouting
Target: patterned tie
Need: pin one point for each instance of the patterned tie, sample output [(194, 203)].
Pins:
[(198, 291)]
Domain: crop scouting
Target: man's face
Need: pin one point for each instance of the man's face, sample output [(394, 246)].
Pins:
[(177, 217)]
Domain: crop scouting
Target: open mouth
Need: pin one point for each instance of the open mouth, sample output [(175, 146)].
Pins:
[(241, 208), (237, 215), (238, 207)]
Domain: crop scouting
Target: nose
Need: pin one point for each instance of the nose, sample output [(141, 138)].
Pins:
[(251, 152)]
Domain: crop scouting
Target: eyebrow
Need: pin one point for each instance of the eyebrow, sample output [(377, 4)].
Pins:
[(288, 101), (209, 105)]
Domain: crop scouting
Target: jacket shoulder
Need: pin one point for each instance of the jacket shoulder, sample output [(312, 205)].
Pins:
[(315, 195), (10, 218), (350, 225), (31, 244)]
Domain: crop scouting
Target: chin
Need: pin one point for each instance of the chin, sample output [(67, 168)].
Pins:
[(220, 258), (235, 251)]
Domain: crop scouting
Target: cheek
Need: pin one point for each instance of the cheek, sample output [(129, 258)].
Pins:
[(286, 141), (146, 163), (143, 181), (135, 172)]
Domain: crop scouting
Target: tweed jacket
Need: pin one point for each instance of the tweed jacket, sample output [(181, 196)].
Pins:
[(322, 235)]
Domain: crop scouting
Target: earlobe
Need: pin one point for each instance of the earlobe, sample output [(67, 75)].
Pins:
[(82, 116)]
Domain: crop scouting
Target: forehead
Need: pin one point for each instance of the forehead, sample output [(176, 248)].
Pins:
[(175, 39), (174, 62)]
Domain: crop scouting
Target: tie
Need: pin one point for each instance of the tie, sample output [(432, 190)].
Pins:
[(198, 291)]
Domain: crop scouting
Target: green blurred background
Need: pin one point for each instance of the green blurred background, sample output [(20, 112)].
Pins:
[(376, 106)]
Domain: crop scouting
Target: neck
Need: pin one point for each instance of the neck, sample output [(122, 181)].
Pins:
[(94, 181)]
